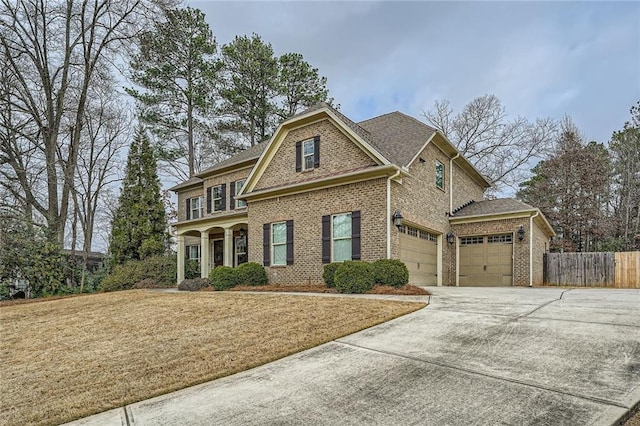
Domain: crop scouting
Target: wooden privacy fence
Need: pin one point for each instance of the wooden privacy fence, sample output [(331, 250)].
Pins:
[(620, 270)]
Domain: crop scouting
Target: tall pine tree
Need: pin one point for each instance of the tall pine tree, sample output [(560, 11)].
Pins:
[(138, 228), (177, 71)]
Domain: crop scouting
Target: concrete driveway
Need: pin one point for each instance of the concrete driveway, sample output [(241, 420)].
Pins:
[(517, 356)]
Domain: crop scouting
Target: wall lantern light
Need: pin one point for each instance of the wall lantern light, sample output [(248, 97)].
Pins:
[(451, 238), (397, 219), (521, 233)]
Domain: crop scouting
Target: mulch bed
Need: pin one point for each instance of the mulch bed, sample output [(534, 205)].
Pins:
[(407, 290)]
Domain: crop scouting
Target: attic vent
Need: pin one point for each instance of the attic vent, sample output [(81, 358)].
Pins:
[(422, 160), (457, 209)]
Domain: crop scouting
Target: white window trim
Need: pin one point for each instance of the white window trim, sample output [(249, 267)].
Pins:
[(273, 245), (339, 238), (199, 251), (199, 210), (214, 199), (240, 203), (237, 253), (312, 155)]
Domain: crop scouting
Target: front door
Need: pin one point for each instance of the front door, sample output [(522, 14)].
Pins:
[(217, 253)]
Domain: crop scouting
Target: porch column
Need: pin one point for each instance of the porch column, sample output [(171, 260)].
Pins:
[(228, 247), (180, 277), (205, 258)]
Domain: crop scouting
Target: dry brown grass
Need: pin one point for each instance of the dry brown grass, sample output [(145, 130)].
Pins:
[(65, 359)]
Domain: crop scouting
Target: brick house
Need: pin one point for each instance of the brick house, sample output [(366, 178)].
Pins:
[(325, 189)]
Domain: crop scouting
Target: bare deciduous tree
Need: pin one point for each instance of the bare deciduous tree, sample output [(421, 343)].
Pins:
[(502, 149), (53, 53)]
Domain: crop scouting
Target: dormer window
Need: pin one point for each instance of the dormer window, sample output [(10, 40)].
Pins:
[(308, 154)]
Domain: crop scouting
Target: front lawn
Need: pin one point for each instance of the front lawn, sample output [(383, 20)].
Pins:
[(69, 358)]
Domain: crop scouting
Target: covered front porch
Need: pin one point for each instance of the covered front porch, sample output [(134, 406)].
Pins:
[(212, 243)]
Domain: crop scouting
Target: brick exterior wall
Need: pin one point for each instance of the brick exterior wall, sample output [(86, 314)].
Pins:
[(214, 180), (306, 211), (425, 205), (520, 248), (540, 247), (464, 188), (337, 154)]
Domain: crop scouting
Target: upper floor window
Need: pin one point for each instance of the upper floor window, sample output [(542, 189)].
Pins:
[(194, 208), (439, 175), (308, 154), (238, 186), (217, 198)]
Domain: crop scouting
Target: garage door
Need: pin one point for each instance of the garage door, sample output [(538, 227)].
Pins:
[(419, 251), (486, 261)]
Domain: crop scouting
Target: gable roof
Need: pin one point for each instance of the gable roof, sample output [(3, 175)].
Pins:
[(251, 153), (499, 205), (398, 136), (505, 207), (392, 138)]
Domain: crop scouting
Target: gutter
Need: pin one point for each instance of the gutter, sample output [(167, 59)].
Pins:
[(451, 183), (531, 247), (394, 176)]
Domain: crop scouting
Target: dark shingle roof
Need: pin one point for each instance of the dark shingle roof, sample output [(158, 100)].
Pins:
[(187, 183), (397, 136), (248, 154), (499, 205)]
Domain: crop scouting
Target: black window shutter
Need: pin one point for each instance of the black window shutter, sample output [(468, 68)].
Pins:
[(316, 152), (223, 194), (290, 242), (188, 208), (355, 235), (298, 156), (266, 244), (326, 239), (209, 200), (232, 193)]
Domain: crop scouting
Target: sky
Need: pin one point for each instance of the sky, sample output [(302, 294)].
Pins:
[(541, 59)]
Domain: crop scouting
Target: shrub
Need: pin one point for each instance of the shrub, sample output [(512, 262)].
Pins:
[(195, 284), (251, 273), (146, 283), (191, 269), (391, 272), (162, 269), (223, 278), (328, 274), (354, 277)]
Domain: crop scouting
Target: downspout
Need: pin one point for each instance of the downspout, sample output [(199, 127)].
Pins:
[(389, 211), (531, 247), (451, 182)]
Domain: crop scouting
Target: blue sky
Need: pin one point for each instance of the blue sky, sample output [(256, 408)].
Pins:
[(540, 58)]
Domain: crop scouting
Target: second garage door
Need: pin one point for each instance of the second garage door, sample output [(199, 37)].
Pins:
[(486, 261), (419, 251)]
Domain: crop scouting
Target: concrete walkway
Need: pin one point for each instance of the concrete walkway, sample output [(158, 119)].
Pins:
[(516, 356)]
